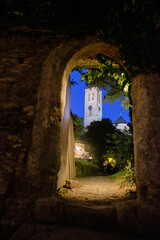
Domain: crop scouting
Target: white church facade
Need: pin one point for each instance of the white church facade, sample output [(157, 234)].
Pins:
[(93, 112), (93, 109), (93, 105)]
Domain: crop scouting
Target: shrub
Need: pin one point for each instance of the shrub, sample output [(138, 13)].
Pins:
[(77, 126), (129, 173), (85, 168), (99, 139)]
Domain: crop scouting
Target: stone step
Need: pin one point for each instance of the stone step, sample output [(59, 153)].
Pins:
[(63, 232), (54, 210)]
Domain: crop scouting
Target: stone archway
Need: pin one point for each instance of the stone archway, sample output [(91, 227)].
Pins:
[(48, 152), (51, 124)]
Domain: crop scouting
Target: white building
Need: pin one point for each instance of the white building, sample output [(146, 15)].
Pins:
[(93, 105), (121, 124), (81, 150)]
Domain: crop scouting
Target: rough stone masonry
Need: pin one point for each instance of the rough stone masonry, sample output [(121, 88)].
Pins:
[(35, 125)]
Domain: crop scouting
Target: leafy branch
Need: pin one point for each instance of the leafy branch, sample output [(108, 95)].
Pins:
[(111, 77)]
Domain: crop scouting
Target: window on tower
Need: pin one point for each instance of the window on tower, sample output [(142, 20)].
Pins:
[(99, 98), (88, 96), (93, 96)]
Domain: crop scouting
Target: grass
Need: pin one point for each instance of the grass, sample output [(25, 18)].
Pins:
[(117, 175)]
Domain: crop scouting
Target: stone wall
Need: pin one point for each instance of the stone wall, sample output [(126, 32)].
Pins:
[(21, 59), (34, 68), (146, 122), (51, 121)]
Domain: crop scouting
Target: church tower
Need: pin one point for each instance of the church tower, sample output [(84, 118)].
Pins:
[(93, 105)]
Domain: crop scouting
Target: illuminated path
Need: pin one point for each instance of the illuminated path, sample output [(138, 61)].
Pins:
[(97, 190)]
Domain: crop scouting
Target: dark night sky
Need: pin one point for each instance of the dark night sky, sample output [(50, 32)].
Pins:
[(77, 101)]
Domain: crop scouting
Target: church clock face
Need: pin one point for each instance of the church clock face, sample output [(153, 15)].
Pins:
[(90, 110), (90, 107)]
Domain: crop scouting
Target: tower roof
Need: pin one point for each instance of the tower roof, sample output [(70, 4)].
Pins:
[(120, 120)]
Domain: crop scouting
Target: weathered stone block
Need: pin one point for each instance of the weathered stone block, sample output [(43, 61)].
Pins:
[(25, 232), (55, 210), (7, 168), (127, 215), (2, 202), (28, 108), (4, 182), (71, 183), (149, 220), (45, 209), (98, 217)]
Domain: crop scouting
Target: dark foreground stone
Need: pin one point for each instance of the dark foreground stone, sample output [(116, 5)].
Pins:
[(60, 232)]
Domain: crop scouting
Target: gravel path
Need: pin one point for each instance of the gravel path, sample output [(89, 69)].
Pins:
[(98, 190)]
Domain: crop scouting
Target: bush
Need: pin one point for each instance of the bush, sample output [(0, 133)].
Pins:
[(99, 139), (77, 126), (85, 168), (129, 174), (121, 150)]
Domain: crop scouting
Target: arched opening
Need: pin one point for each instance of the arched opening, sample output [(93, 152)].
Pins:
[(46, 159), (49, 160), (85, 57), (93, 183)]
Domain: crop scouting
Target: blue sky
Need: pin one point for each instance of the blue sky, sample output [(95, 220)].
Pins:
[(77, 101)]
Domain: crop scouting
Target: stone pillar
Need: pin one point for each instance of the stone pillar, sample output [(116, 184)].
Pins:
[(146, 137)]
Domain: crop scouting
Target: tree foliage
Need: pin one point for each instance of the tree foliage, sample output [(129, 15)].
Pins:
[(121, 148), (105, 142), (134, 26), (77, 126), (97, 135), (111, 77)]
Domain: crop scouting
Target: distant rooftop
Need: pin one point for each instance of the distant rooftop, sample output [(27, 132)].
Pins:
[(120, 120)]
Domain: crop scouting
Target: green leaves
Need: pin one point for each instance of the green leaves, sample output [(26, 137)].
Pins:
[(105, 141), (111, 77), (77, 126), (96, 135), (121, 148)]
